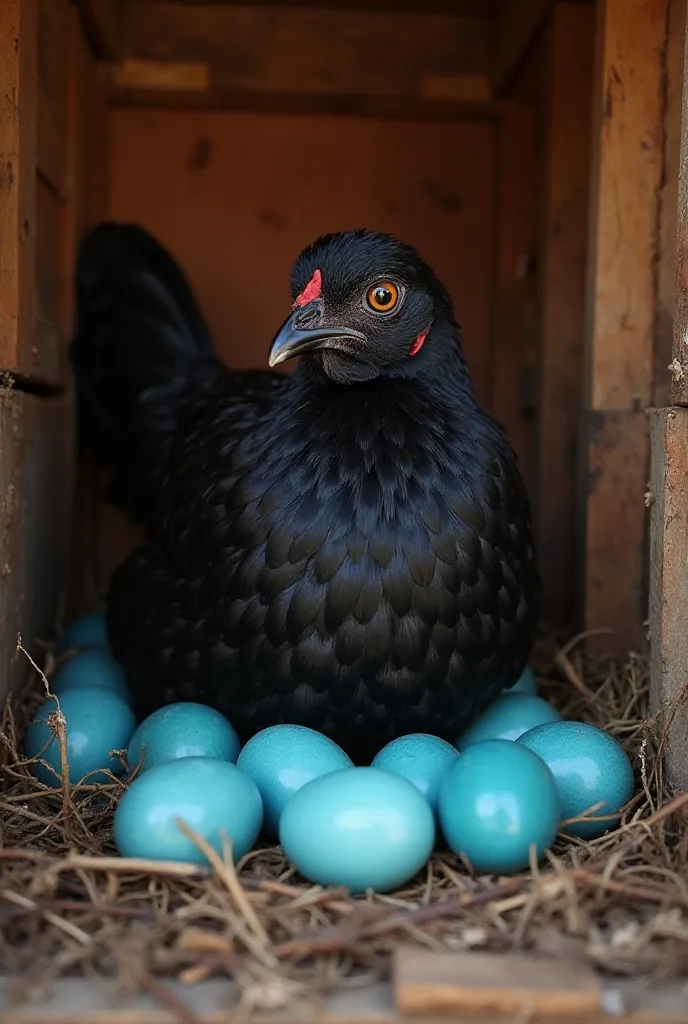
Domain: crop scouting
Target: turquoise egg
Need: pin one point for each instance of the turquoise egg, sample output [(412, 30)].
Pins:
[(526, 683), (362, 828), (420, 758), (589, 767), (507, 718), (98, 721), (212, 797), (183, 730), (88, 631), (283, 758), (495, 802), (93, 668)]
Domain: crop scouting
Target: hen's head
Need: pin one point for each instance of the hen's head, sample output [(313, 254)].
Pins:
[(365, 306)]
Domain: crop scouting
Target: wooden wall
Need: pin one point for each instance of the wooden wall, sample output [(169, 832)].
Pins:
[(47, 91)]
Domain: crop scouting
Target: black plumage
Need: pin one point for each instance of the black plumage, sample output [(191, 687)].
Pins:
[(348, 548)]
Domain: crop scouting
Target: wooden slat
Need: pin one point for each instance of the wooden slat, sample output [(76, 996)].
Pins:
[(434, 983), (53, 85), (17, 182), (569, 43), (666, 299), (35, 500), (669, 584), (514, 307), (309, 51), (679, 371), (621, 309)]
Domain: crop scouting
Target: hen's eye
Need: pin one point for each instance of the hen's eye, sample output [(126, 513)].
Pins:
[(383, 297)]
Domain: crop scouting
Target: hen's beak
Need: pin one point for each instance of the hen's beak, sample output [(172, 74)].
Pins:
[(293, 340)]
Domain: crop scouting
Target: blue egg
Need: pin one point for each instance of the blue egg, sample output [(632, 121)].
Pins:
[(526, 683), (282, 758), (98, 721), (211, 796), (507, 718), (183, 730), (495, 802), (88, 631), (362, 828), (420, 758), (589, 767), (93, 668)]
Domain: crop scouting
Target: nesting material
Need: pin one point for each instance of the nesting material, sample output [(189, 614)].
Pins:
[(69, 905)]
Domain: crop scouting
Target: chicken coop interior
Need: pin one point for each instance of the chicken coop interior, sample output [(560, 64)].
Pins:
[(529, 149)]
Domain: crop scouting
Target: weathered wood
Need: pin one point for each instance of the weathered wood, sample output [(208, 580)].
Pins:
[(433, 983), (35, 503), (514, 302), (669, 584), (53, 28), (18, 60), (569, 47), (679, 363), (666, 299), (306, 50), (621, 308)]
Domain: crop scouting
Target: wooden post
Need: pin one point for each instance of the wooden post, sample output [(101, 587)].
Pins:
[(567, 108), (628, 170), (669, 509)]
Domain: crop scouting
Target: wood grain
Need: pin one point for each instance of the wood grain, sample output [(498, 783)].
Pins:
[(35, 504), (679, 371), (628, 166), (569, 48), (669, 585), (440, 983)]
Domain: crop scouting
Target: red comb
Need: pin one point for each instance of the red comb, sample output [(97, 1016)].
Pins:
[(313, 290)]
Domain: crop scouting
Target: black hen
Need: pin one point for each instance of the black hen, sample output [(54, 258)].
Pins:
[(348, 548)]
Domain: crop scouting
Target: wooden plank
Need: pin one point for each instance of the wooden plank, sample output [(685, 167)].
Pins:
[(17, 183), (679, 363), (666, 298), (562, 265), (436, 983), (102, 25), (35, 500), (617, 446), (53, 85), (514, 325), (306, 50), (621, 306), (669, 584)]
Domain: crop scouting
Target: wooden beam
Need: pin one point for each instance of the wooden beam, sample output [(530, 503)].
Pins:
[(669, 585), (102, 26), (514, 298), (628, 168), (562, 279), (18, 108), (679, 365), (313, 51)]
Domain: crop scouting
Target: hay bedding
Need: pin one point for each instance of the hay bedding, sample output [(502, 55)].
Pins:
[(70, 906)]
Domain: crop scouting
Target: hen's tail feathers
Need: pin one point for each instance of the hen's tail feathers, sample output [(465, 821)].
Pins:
[(140, 349)]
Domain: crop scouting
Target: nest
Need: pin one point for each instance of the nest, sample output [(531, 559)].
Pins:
[(70, 906)]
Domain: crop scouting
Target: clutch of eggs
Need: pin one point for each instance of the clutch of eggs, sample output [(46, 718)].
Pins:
[(498, 796)]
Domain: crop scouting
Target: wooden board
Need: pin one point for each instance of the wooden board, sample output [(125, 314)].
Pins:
[(679, 364), (35, 502), (53, 58), (514, 326), (621, 308), (569, 52), (305, 50), (669, 584), (434, 983)]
